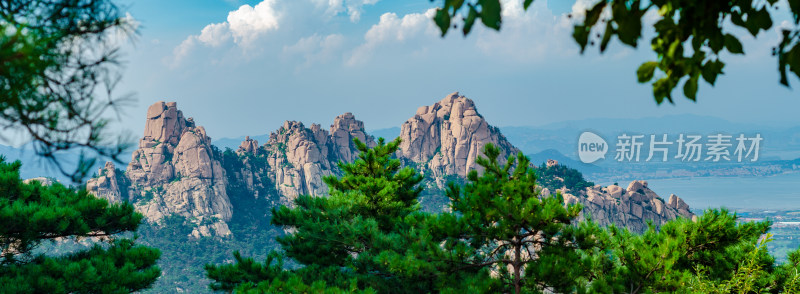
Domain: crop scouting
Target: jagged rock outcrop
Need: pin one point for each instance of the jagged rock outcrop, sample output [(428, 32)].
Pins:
[(447, 137), (106, 184), (44, 181), (631, 207), (299, 157), (174, 172), (248, 146), (344, 129)]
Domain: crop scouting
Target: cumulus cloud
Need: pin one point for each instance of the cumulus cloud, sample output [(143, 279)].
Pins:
[(393, 29), (316, 48), (215, 34), (534, 35), (353, 8), (244, 26), (247, 23)]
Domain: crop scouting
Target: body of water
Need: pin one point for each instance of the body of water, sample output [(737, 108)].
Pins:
[(780, 192)]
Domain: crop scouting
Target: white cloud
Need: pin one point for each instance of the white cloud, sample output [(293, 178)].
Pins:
[(215, 34), (393, 29), (244, 25), (353, 8), (248, 22), (316, 48), (529, 36)]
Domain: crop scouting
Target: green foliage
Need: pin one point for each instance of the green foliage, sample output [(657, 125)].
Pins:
[(744, 279), (338, 239), (560, 176), (184, 256), (690, 35), (502, 223), (500, 236), (670, 259), (347, 228), (57, 56), (32, 214)]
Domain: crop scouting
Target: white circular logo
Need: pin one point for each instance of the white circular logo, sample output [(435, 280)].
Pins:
[(591, 147)]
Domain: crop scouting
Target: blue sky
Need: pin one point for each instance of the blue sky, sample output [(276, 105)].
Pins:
[(243, 67)]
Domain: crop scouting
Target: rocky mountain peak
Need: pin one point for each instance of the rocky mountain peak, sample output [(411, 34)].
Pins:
[(299, 157), (344, 129), (248, 146), (106, 184), (172, 172), (448, 136)]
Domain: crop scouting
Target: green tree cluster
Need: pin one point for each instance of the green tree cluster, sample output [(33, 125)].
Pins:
[(32, 214), (59, 63), (560, 176), (499, 236)]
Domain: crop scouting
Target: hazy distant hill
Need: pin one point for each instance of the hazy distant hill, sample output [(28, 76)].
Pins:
[(35, 166), (780, 142)]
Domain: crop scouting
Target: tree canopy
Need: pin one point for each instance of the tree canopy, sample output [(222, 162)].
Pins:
[(500, 235), (690, 36), (34, 215), (60, 62)]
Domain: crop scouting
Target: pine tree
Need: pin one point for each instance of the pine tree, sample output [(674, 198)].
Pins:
[(59, 57), (669, 259), (32, 214), (500, 222), (339, 240)]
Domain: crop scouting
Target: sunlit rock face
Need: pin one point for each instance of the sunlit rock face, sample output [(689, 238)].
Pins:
[(630, 208), (299, 157), (447, 137), (173, 172)]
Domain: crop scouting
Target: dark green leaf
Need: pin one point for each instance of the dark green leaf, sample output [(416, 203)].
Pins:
[(442, 19), (593, 14), (661, 90), (733, 44), (793, 59), (711, 70), (491, 13), (606, 37), (646, 71), (581, 35), (469, 21), (690, 87), (794, 5), (527, 4), (763, 19)]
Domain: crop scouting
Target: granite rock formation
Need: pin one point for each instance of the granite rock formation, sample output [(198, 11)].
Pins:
[(631, 207), (299, 157), (106, 184), (173, 172), (445, 138)]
